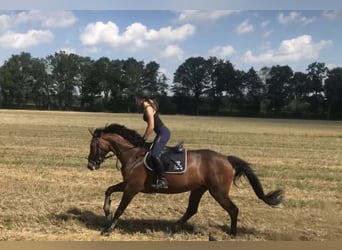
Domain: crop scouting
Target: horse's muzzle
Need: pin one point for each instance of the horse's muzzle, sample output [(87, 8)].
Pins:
[(92, 165)]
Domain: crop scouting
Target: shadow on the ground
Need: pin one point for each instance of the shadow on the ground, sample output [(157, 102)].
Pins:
[(98, 222), (128, 225)]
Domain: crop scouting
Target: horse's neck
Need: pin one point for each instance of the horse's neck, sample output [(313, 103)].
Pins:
[(130, 157), (125, 150)]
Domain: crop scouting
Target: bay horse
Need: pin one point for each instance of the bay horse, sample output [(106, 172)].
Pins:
[(207, 170)]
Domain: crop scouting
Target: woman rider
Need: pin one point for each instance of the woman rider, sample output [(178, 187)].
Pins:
[(154, 124)]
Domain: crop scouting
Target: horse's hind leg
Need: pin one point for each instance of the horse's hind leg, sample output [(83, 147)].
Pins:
[(223, 199), (106, 206), (194, 200)]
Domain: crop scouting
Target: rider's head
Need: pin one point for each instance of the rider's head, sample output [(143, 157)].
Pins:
[(143, 95)]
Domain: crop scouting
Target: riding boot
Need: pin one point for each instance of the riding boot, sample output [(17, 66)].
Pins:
[(161, 181)]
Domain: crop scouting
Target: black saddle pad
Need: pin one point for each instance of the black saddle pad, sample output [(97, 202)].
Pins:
[(174, 162)]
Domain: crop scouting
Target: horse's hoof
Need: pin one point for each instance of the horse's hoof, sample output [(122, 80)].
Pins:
[(212, 238), (106, 232), (232, 235), (103, 233), (176, 228)]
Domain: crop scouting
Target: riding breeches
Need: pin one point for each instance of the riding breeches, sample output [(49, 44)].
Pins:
[(159, 142)]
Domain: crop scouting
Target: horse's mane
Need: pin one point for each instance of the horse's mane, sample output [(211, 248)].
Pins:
[(129, 134)]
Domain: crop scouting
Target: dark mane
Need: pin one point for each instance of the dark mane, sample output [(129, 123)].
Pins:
[(129, 134)]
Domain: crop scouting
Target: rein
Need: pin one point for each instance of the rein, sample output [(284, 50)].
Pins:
[(119, 153), (110, 156)]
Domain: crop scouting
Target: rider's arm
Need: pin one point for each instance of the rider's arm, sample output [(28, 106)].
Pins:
[(150, 122)]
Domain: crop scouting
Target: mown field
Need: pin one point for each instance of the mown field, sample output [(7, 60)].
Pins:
[(47, 193)]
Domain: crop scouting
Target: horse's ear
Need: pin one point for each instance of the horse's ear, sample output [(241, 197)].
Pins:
[(91, 131)]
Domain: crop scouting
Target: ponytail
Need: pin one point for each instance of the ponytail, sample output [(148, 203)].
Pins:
[(153, 103)]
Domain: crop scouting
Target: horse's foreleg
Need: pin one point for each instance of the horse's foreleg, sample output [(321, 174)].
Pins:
[(194, 200), (106, 206), (125, 200)]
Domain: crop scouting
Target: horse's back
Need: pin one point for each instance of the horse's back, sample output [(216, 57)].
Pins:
[(205, 157), (210, 165)]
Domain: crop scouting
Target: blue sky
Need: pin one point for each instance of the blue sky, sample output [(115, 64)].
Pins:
[(247, 38)]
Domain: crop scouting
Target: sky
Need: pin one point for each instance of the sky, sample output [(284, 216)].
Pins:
[(247, 37)]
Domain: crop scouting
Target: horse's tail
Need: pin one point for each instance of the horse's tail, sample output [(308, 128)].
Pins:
[(242, 168)]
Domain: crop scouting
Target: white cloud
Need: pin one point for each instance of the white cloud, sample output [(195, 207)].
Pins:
[(136, 36), (168, 34), (164, 71), (264, 24), (244, 27), (331, 66), (92, 50), (69, 50), (5, 22), (292, 50), (99, 32), (222, 51), (268, 33), (200, 16), (172, 51), (333, 15), (12, 40), (27, 17), (294, 17), (59, 19), (48, 19)]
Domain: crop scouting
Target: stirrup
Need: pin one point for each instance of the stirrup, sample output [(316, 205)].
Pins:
[(160, 183)]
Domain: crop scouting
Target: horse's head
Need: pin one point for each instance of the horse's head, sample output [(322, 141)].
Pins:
[(115, 138), (98, 150)]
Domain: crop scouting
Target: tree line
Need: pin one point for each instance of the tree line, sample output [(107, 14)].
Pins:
[(200, 86)]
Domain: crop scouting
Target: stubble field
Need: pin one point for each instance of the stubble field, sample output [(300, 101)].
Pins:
[(47, 193)]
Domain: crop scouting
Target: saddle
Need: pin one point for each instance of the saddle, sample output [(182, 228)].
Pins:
[(173, 158), (179, 148)]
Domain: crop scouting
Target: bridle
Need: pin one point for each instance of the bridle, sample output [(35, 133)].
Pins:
[(117, 153), (100, 159)]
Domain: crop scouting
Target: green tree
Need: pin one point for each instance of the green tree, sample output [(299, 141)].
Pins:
[(254, 90), (191, 80), (89, 84), (154, 80), (317, 72), (333, 93), (8, 86), (40, 84), (279, 87), (132, 78), (65, 72), (299, 89), (223, 82), (113, 89), (150, 77), (16, 79)]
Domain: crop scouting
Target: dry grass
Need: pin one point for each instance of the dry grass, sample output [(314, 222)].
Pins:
[(47, 193)]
